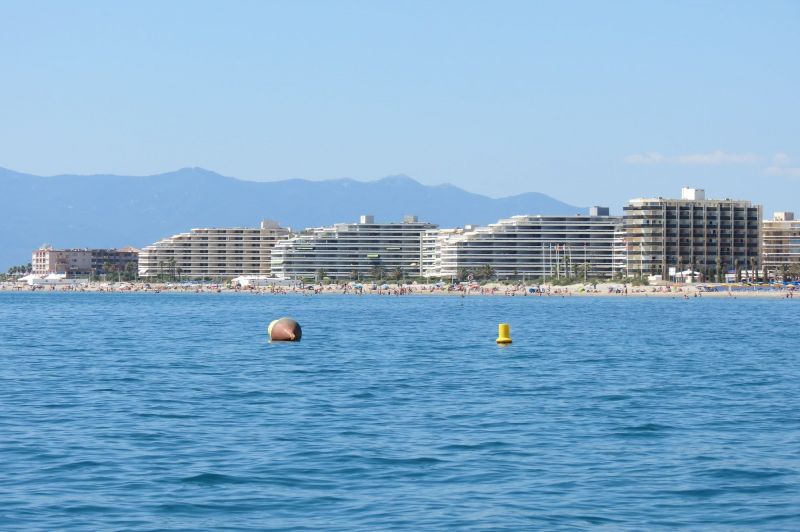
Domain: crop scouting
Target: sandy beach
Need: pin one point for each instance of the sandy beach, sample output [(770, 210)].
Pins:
[(609, 289)]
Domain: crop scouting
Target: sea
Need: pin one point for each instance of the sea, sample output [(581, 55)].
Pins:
[(171, 411)]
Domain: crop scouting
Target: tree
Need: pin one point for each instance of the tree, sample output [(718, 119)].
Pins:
[(485, 272), (377, 272), (794, 271), (784, 272), (738, 270), (354, 275), (719, 269), (131, 273), (753, 269), (172, 268), (22, 269), (398, 273), (320, 275)]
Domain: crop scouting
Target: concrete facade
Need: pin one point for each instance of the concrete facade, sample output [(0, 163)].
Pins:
[(704, 235), (532, 247), (781, 245), (362, 250), (212, 253), (82, 262)]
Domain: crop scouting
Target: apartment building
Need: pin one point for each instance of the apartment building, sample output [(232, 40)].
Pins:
[(106, 261), (212, 253), (433, 242), (532, 247), (82, 262), (73, 262), (781, 245), (362, 250), (710, 236)]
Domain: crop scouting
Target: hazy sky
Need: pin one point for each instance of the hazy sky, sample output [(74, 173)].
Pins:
[(591, 102)]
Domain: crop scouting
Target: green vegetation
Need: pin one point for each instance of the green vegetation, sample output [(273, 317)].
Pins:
[(20, 271), (112, 273)]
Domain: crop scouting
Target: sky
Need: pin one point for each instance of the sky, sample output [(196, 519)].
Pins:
[(593, 103)]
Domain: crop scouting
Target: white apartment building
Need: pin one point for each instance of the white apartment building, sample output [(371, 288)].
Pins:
[(781, 244), (363, 250), (532, 247), (213, 252), (433, 242), (711, 236)]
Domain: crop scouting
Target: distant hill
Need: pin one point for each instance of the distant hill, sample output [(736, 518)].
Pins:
[(114, 211)]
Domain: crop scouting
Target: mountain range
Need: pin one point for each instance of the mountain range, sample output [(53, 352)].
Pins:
[(114, 211)]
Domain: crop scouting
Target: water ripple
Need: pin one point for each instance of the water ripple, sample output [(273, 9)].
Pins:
[(173, 412)]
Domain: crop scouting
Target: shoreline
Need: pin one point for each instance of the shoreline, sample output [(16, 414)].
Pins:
[(602, 290)]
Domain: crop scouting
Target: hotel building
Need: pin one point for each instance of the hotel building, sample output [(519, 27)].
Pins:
[(82, 262), (363, 250), (213, 252), (781, 244), (532, 247), (710, 236)]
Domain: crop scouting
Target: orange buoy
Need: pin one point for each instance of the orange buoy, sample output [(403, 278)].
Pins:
[(284, 330)]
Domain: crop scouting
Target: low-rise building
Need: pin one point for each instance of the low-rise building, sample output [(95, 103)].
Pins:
[(781, 245), (531, 247), (106, 261), (83, 262), (363, 250), (210, 253)]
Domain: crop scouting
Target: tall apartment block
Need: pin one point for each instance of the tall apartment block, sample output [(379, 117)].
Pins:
[(781, 244), (213, 252), (533, 247), (706, 235), (353, 250)]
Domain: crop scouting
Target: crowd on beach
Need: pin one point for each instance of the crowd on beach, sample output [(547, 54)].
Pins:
[(452, 289)]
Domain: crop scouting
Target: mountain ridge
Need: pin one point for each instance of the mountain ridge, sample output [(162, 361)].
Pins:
[(108, 210)]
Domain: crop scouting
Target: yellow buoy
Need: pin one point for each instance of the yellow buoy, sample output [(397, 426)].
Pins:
[(504, 333)]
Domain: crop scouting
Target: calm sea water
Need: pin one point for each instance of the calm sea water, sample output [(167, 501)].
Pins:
[(171, 411)]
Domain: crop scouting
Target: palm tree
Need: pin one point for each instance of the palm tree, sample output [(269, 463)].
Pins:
[(397, 273), (172, 268), (377, 272), (107, 269), (753, 269), (486, 272), (321, 274), (719, 269), (794, 271), (354, 275)]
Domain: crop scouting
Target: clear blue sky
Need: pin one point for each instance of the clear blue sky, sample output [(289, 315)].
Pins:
[(591, 102)]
